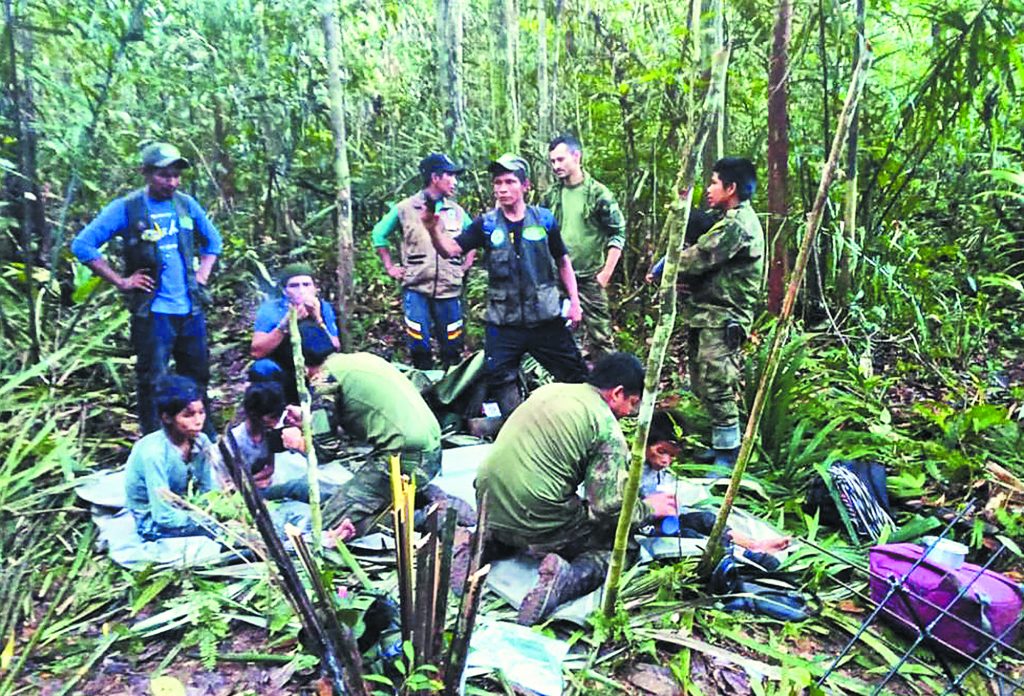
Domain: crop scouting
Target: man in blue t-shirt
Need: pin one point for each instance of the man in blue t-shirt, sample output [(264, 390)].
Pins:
[(318, 328), (165, 290)]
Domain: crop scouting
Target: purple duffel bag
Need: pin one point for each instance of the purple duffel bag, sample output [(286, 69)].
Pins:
[(990, 605)]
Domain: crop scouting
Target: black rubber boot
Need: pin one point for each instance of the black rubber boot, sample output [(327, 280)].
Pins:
[(422, 361), (559, 581), (725, 459), (705, 456)]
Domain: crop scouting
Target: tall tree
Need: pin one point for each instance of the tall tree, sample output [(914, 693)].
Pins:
[(778, 154), (342, 179), (505, 85), (449, 29), (544, 125), (848, 258)]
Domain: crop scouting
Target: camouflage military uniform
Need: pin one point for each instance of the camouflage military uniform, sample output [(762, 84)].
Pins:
[(595, 226), (562, 436), (723, 270)]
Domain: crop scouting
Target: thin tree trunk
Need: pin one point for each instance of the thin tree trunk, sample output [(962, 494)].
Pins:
[(675, 225), (449, 28), (713, 552), (778, 155), (719, 40), (556, 54), (342, 181), (306, 404), (504, 83), (848, 258), (25, 190), (544, 126)]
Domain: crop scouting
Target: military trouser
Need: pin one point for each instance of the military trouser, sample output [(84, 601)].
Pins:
[(715, 370), (368, 492), (582, 540), (597, 317)]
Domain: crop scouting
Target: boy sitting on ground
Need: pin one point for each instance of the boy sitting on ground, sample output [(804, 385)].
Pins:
[(175, 458)]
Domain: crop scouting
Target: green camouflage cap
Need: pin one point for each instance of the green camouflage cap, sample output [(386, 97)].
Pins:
[(509, 163), (294, 269), (159, 155)]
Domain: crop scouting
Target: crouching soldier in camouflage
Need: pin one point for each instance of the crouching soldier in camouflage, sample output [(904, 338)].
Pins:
[(562, 436), (723, 271)]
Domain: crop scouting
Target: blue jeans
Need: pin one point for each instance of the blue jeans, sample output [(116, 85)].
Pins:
[(426, 316), (157, 338)]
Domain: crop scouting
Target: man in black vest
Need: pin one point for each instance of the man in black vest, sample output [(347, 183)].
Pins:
[(526, 258), (164, 289)]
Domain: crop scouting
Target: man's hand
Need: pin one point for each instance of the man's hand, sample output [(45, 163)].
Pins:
[(139, 280), (662, 504), (396, 271), (203, 276), (313, 310), (575, 315), (604, 277), (342, 533), (291, 438)]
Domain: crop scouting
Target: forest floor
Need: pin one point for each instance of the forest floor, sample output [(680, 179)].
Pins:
[(677, 641)]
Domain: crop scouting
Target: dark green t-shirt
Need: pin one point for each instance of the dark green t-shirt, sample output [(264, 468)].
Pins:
[(374, 402)]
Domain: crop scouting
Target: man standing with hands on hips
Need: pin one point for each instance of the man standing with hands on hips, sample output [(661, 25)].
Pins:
[(164, 288)]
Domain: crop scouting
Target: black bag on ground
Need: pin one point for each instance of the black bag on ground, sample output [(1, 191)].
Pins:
[(852, 494)]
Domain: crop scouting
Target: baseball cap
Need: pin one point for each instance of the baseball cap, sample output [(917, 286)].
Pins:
[(509, 163), (157, 155), (439, 163)]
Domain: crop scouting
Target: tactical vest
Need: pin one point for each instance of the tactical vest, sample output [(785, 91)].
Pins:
[(426, 271), (142, 254), (522, 285)]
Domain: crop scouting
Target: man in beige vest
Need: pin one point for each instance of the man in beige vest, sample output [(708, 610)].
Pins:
[(431, 284)]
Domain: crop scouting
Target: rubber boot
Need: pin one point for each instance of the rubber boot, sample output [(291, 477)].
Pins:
[(422, 361), (705, 456), (558, 582), (725, 459), (725, 440)]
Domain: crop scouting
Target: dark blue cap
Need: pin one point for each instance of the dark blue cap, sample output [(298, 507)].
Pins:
[(439, 163)]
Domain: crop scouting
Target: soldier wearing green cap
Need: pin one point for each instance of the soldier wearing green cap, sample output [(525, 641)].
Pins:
[(526, 260), (317, 322), (431, 285), (594, 230), (159, 228)]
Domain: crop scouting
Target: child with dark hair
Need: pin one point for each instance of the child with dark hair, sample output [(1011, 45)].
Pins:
[(662, 449), (264, 434), (175, 458)]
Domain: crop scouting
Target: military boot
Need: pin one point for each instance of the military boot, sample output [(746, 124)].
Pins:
[(559, 581), (464, 511)]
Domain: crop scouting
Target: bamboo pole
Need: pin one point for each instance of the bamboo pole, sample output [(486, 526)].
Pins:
[(305, 403), (675, 227), (713, 552)]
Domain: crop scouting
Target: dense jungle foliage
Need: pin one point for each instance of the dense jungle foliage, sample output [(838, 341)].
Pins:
[(910, 348)]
